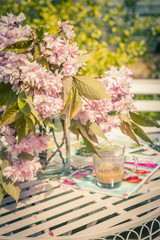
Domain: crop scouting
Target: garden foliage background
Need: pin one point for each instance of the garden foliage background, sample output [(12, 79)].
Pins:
[(114, 31)]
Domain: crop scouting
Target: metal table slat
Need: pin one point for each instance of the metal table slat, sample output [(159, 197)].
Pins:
[(33, 199), (118, 219), (34, 209), (93, 217), (30, 190)]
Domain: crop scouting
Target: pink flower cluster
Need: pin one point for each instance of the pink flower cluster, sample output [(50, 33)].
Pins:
[(67, 29), (117, 84), (47, 105), (11, 30), (28, 144), (23, 72), (61, 53), (20, 69), (9, 69), (22, 169)]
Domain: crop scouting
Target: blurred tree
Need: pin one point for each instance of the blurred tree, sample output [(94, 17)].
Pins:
[(115, 32)]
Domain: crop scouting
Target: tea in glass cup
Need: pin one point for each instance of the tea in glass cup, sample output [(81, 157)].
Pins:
[(109, 166)]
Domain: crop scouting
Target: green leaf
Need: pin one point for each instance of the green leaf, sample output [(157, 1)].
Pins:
[(3, 157), (18, 47), (93, 138), (126, 129), (34, 111), (67, 103), (67, 86), (112, 113), (38, 58), (143, 120), (5, 163), (89, 145), (97, 130), (77, 104), (85, 57), (43, 62), (74, 129), (84, 131), (9, 187), (70, 108), (30, 120), (0, 175), (19, 115), (125, 118), (7, 96), (22, 128), (10, 115), (23, 104), (76, 108), (139, 132), (48, 122), (36, 52), (90, 88), (2, 193), (28, 84), (26, 156), (40, 33)]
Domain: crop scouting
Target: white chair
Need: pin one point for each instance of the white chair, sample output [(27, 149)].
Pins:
[(146, 87)]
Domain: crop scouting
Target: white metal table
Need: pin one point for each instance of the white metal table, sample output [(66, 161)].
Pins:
[(50, 210)]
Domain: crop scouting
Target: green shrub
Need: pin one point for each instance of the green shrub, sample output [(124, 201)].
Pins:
[(116, 33)]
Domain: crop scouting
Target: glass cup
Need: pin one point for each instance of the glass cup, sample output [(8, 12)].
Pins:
[(109, 166)]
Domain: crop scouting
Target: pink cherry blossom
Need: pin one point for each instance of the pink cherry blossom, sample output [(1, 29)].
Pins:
[(47, 105), (12, 20), (60, 50), (7, 131), (67, 29), (29, 144), (12, 31), (70, 67), (118, 84), (55, 49), (10, 65), (22, 170)]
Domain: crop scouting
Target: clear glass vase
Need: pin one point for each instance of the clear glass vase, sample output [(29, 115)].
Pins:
[(56, 159)]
